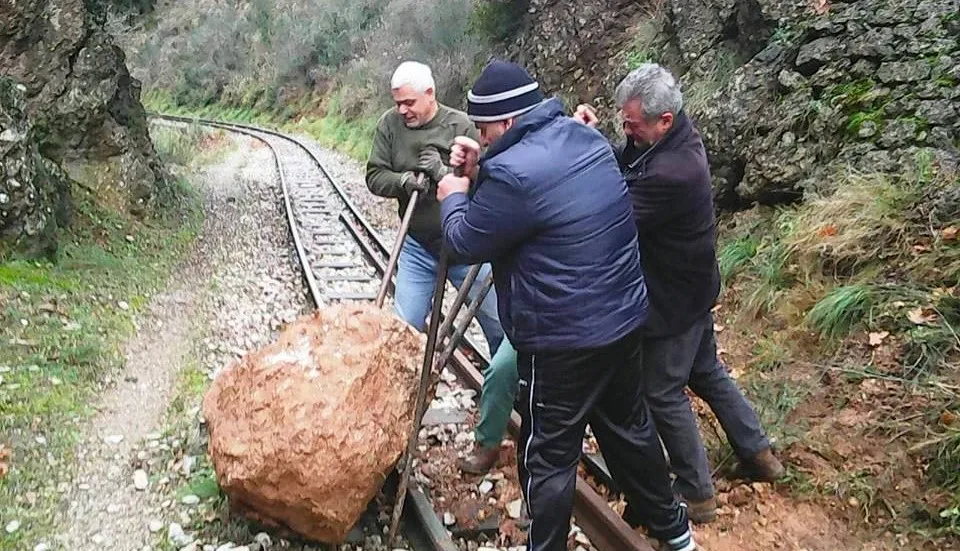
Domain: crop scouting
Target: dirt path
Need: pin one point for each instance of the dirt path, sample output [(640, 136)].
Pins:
[(117, 500), (105, 507)]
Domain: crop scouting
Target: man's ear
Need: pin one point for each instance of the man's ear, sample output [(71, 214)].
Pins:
[(667, 119)]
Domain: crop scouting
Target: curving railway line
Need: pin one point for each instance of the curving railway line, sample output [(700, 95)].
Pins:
[(343, 258)]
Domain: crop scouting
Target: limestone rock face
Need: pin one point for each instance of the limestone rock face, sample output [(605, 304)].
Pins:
[(866, 85), (786, 93), (304, 431), (34, 192), (83, 103)]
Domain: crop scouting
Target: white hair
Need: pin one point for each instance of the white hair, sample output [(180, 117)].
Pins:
[(655, 86), (416, 75)]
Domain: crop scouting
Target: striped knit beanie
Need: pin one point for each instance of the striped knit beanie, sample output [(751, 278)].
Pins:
[(503, 91)]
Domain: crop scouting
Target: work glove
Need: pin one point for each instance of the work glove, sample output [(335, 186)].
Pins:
[(409, 183), (431, 164)]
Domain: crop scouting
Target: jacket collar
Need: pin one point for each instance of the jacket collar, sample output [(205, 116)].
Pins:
[(675, 136), (540, 116)]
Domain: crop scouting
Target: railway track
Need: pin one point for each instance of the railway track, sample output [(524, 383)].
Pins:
[(344, 258)]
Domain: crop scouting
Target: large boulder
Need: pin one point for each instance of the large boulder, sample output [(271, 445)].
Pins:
[(304, 431), (572, 46)]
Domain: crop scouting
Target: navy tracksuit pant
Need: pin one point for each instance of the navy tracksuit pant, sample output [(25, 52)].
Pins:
[(560, 392)]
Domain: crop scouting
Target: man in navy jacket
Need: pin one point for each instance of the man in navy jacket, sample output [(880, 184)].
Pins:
[(665, 165), (550, 211)]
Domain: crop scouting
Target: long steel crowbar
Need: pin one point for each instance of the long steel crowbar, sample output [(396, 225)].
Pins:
[(438, 290), (398, 244)]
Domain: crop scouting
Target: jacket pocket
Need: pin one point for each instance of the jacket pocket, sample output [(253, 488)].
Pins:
[(520, 315)]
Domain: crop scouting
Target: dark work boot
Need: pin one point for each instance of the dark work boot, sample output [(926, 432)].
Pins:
[(702, 512), (763, 467), (481, 460)]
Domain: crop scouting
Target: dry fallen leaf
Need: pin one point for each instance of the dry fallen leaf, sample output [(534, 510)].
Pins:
[(876, 338), (922, 316), (717, 328), (821, 6), (949, 233), (948, 418), (827, 231), (4, 457)]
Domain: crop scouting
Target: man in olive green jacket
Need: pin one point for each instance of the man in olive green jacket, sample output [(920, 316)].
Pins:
[(415, 137)]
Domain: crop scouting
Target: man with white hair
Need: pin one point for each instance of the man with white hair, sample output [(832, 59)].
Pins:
[(412, 138), (665, 165)]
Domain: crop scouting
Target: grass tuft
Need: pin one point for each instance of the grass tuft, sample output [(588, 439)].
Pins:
[(944, 472), (837, 313), (860, 224), (736, 255)]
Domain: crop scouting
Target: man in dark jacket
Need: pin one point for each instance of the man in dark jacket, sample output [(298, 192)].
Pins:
[(666, 169), (550, 212)]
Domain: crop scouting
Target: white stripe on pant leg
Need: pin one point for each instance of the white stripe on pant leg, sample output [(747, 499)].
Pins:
[(683, 543), (526, 450)]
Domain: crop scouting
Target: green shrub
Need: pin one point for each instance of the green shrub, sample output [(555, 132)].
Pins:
[(498, 21)]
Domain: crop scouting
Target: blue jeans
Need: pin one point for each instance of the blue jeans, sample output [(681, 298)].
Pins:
[(416, 278)]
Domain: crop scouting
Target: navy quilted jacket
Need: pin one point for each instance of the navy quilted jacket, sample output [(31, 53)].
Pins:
[(551, 212)]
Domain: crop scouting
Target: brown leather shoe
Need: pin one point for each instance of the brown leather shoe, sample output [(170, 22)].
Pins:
[(702, 512), (481, 460), (763, 467)]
